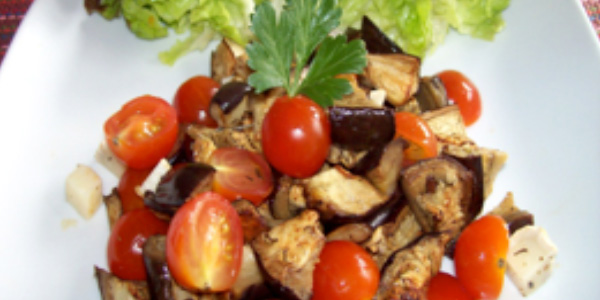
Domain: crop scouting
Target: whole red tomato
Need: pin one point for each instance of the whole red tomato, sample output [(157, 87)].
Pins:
[(142, 132), (127, 240), (192, 100), (444, 286), (346, 272), (130, 180), (296, 136), (480, 257)]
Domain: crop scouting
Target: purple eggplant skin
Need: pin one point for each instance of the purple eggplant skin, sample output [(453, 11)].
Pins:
[(182, 152), (155, 262), (376, 41), (230, 95), (361, 128), (178, 185), (474, 164)]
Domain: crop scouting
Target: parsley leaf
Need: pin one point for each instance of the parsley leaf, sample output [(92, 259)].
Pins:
[(283, 48)]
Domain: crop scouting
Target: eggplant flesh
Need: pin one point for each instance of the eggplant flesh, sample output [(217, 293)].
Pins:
[(361, 128), (287, 255), (431, 94), (407, 272), (439, 191), (340, 196)]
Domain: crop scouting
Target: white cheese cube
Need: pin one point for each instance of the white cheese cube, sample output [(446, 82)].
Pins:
[(84, 190), (106, 158), (154, 177), (378, 96), (530, 258)]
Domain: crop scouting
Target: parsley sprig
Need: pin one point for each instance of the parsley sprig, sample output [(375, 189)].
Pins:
[(284, 47)]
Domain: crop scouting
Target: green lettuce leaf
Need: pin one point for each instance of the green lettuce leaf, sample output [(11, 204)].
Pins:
[(198, 40), (418, 26), (481, 19), (142, 20), (201, 20), (230, 18)]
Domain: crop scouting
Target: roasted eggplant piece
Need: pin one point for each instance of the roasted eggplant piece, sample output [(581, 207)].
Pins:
[(448, 126), (515, 217), (114, 208), (439, 191), (252, 222), (114, 288), (361, 128), (389, 237), (406, 274), (386, 174), (178, 185), (288, 254), (155, 261), (350, 159), (431, 94), (288, 199), (182, 151), (230, 103), (340, 196), (354, 232), (376, 41), (229, 61), (243, 137), (250, 274), (396, 74)]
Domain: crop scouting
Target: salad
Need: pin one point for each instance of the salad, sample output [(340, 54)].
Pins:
[(416, 26), (380, 181)]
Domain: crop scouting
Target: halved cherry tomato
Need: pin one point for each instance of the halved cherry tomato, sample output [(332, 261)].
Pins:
[(345, 271), (463, 93), (296, 136), (131, 179), (204, 244), (127, 240), (444, 286), (241, 174), (142, 132), (422, 141), (480, 257), (192, 100)]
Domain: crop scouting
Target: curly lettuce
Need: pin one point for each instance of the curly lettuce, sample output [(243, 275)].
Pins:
[(201, 20), (418, 26)]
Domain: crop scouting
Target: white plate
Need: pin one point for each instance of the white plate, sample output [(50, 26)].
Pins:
[(66, 72)]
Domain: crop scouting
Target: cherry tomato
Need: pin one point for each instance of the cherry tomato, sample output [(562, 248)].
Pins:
[(422, 141), (480, 257), (296, 136), (142, 132), (444, 286), (192, 100), (204, 244), (127, 240), (241, 174), (345, 271), (463, 93), (130, 180)]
